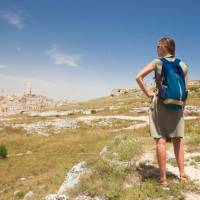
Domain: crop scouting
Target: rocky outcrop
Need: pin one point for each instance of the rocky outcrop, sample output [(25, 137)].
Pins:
[(192, 109), (72, 179), (54, 126), (63, 113)]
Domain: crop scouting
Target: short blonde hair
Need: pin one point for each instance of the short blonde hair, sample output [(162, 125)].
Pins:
[(169, 44)]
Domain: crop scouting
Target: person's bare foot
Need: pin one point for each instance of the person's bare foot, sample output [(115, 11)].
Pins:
[(163, 181), (184, 177)]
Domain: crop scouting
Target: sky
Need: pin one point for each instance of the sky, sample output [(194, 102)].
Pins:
[(82, 49)]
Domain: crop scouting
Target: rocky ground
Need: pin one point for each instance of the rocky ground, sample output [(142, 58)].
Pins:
[(56, 123), (118, 117), (148, 159)]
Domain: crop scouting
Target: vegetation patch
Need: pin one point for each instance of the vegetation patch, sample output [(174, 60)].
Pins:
[(193, 134), (124, 148), (104, 179), (172, 161), (150, 189), (196, 158), (3, 151)]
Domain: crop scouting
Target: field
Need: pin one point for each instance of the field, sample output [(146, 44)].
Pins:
[(39, 158)]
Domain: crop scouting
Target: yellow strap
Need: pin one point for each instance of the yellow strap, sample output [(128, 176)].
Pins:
[(173, 101)]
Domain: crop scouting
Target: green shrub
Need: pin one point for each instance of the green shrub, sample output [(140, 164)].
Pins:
[(20, 194), (124, 148), (3, 151), (93, 111)]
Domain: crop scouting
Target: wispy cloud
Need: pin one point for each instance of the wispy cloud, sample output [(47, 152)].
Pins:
[(13, 18), (61, 58), (26, 79), (3, 66)]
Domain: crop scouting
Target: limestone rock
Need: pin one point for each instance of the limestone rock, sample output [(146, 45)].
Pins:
[(72, 177), (29, 195), (56, 197)]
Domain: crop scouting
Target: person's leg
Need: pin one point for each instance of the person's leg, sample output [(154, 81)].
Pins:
[(179, 154), (161, 156)]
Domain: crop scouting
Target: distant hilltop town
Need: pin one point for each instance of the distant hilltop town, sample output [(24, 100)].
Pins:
[(26, 101)]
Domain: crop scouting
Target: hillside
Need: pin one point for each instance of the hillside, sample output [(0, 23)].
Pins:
[(107, 142)]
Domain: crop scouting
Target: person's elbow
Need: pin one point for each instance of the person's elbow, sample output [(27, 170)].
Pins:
[(138, 78)]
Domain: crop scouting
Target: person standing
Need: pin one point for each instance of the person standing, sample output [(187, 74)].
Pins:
[(165, 124)]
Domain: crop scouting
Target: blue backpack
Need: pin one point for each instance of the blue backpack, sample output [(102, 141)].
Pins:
[(172, 89)]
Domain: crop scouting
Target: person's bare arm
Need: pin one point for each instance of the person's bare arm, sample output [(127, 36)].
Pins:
[(186, 81), (186, 86), (140, 80)]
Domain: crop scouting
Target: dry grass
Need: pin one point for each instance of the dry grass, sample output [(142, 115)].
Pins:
[(110, 180), (193, 135), (44, 161), (49, 160)]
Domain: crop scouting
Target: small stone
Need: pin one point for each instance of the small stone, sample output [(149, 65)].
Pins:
[(19, 154), (16, 192), (103, 151), (29, 195), (22, 179), (29, 152)]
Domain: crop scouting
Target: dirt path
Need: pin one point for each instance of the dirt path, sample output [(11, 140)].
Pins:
[(193, 171)]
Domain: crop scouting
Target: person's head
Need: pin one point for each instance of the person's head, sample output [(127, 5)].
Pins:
[(165, 46)]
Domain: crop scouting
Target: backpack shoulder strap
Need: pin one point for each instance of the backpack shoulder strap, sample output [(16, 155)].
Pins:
[(164, 60), (177, 61), (177, 64)]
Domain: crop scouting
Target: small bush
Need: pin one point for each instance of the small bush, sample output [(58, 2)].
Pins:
[(124, 149), (20, 194), (3, 151), (93, 111)]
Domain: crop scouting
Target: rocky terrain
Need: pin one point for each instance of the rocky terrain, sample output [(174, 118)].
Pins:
[(95, 150)]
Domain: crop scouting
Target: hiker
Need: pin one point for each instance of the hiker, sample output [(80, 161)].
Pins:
[(166, 115)]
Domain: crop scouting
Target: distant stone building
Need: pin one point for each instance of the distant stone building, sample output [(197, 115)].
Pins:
[(28, 89), (118, 92), (136, 90), (194, 82), (124, 91)]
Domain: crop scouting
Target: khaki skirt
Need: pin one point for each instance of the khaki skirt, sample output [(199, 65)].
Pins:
[(164, 122)]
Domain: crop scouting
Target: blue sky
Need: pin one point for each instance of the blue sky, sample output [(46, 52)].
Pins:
[(82, 49)]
